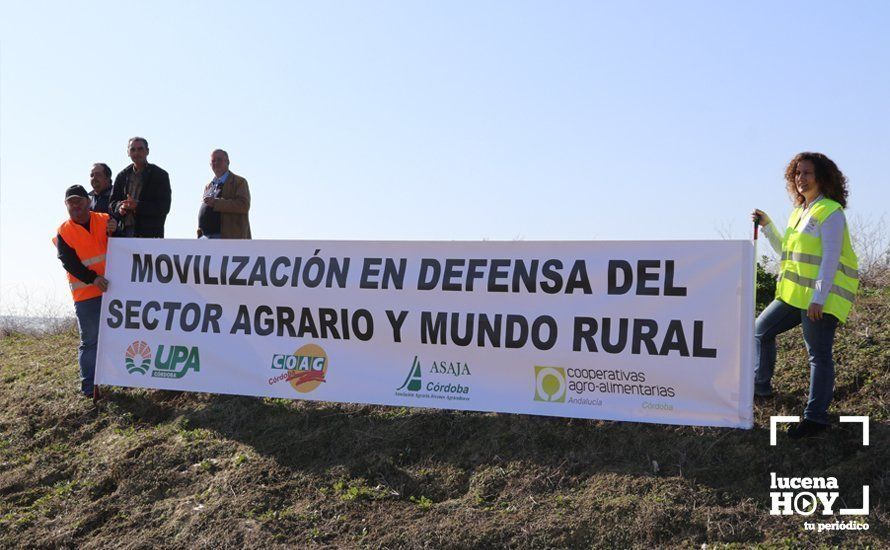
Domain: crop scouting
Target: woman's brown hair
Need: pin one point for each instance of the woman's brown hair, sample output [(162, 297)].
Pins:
[(831, 180)]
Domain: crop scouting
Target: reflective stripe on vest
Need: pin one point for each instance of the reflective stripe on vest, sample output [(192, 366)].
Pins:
[(802, 260), (93, 260), (811, 283), (812, 259)]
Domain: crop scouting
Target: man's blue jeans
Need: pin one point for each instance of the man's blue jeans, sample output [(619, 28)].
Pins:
[(779, 317), (88, 312)]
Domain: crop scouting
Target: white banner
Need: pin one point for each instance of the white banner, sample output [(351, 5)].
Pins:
[(644, 331)]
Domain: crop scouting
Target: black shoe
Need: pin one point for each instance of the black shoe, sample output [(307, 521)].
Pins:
[(807, 428)]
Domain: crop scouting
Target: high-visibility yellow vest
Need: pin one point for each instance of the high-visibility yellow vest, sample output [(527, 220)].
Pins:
[(802, 255), (90, 247)]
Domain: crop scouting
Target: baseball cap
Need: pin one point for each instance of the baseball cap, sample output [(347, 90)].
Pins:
[(76, 191)]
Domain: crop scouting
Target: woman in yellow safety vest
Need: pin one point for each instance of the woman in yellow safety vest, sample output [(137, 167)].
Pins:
[(817, 281)]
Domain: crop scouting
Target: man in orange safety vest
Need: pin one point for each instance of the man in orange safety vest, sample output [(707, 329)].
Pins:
[(81, 243)]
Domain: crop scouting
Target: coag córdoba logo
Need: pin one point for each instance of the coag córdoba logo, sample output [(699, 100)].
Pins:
[(305, 369)]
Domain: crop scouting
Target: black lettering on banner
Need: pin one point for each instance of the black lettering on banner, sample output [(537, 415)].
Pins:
[(644, 333), (164, 267), (370, 269), (578, 278), (453, 270), (182, 269), (498, 270), (494, 330), (258, 273), (131, 315), (550, 271), (114, 310), (278, 280), (344, 322), (337, 272), (263, 321), (526, 275), (172, 308), (285, 320), (242, 321), (550, 323), (193, 310), (627, 277), (212, 315), (396, 321), (316, 265), (585, 330), (517, 331), (674, 339), (468, 329), (295, 274), (647, 272), (644, 274), (307, 324), (142, 269), (475, 272), (698, 350), (428, 277), (393, 274), (489, 330), (240, 263), (328, 322), (150, 323), (223, 270), (618, 346), (366, 333), (669, 288), (433, 331), (208, 278)]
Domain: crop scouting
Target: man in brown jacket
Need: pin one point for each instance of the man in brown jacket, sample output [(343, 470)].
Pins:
[(223, 214)]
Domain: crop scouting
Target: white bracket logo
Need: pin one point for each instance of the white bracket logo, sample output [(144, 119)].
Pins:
[(773, 420), (864, 420), (781, 506)]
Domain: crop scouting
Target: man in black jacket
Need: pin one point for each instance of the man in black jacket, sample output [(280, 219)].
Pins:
[(100, 196), (141, 194)]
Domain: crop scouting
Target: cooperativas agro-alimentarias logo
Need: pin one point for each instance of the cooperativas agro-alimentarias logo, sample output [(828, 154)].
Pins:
[(170, 361), (550, 384), (305, 369)]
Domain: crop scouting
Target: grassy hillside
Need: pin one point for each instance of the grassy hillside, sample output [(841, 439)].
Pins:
[(167, 469)]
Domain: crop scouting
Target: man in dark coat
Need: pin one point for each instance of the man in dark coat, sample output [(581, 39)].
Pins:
[(100, 180), (141, 194)]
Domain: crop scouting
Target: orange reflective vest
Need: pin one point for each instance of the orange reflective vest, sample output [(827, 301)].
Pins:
[(90, 248)]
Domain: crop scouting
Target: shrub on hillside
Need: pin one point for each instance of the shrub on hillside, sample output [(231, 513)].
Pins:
[(765, 285)]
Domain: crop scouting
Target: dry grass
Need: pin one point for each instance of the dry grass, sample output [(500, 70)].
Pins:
[(165, 469)]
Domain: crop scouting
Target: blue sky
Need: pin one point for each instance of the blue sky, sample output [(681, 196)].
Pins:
[(440, 121)]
